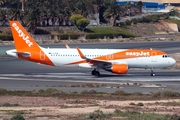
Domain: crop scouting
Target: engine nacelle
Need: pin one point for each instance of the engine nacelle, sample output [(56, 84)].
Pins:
[(118, 68)]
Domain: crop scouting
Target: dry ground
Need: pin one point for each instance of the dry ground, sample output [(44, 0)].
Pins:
[(54, 108)]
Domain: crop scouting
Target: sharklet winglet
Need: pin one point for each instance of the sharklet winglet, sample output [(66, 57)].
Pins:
[(80, 53), (67, 46)]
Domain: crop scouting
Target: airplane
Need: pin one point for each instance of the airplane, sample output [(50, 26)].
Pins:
[(117, 61)]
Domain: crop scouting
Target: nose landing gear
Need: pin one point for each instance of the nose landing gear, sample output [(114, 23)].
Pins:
[(152, 73)]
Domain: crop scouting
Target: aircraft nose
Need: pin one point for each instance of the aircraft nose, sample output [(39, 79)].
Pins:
[(173, 61)]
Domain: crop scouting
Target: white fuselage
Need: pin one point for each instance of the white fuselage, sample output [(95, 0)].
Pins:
[(62, 57)]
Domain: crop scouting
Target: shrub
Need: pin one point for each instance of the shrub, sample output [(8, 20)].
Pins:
[(137, 94), (100, 36), (97, 114), (5, 37), (156, 95), (41, 31), (103, 84), (8, 105), (66, 36), (132, 103), (135, 83), (16, 112), (175, 117), (84, 92), (139, 20), (41, 91), (154, 18), (121, 24), (51, 91), (120, 92), (135, 21), (74, 36), (3, 91), (170, 94), (118, 113), (63, 37), (117, 86), (92, 92), (140, 104), (18, 117), (128, 22)]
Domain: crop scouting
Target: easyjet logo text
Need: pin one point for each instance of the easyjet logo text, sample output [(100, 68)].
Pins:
[(22, 35), (138, 53)]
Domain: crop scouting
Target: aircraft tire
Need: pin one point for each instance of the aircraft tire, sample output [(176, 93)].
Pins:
[(153, 74), (97, 73), (93, 72)]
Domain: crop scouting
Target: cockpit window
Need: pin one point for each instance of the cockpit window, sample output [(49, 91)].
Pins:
[(165, 56)]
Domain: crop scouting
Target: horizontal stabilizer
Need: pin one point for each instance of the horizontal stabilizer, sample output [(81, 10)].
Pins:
[(24, 54)]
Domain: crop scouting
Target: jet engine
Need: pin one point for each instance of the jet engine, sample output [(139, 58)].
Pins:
[(118, 68)]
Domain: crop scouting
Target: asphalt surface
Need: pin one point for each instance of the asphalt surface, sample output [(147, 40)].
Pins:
[(16, 74), (165, 46)]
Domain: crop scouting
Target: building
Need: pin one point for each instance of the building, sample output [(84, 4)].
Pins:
[(154, 5), (147, 5), (175, 3)]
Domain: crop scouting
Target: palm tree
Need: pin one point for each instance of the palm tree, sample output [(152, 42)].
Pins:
[(23, 4), (111, 13), (95, 9), (33, 15), (140, 6), (14, 14), (2, 2), (3, 17)]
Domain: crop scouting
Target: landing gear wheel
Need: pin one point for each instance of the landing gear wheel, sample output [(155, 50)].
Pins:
[(93, 72), (153, 74), (97, 73)]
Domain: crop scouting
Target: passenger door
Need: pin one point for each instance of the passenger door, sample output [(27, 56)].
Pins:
[(153, 57)]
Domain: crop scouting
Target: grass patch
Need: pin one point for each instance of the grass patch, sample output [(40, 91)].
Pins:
[(66, 106), (127, 115), (171, 104), (91, 93), (171, 20), (110, 31), (97, 114), (17, 117), (8, 105), (14, 112), (93, 105)]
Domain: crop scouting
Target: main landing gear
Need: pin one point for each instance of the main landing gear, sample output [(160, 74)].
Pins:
[(152, 73), (95, 72)]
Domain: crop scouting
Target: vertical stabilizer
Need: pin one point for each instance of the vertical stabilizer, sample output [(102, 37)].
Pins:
[(22, 39)]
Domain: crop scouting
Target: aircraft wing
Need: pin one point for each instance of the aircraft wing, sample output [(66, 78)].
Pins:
[(93, 61)]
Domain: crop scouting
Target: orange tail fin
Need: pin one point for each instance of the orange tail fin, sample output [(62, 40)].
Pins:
[(22, 39)]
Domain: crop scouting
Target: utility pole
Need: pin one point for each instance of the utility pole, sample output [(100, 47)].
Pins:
[(129, 11)]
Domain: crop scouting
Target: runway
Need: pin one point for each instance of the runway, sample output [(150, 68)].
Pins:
[(18, 74)]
